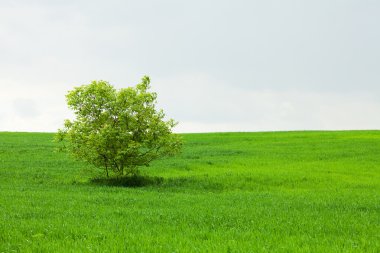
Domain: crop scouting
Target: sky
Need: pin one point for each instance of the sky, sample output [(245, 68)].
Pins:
[(216, 65)]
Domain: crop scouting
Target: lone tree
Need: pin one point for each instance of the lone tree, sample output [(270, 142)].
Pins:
[(117, 130)]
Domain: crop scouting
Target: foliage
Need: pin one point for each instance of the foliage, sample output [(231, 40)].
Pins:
[(118, 130)]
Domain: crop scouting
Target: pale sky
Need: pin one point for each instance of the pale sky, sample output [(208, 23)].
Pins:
[(237, 65)]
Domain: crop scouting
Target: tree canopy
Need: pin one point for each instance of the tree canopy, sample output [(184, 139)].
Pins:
[(117, 130)]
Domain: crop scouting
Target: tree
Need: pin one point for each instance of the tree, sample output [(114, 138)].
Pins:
[(117, 130)]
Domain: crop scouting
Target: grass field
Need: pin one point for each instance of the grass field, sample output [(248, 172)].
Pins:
[(226, 192)]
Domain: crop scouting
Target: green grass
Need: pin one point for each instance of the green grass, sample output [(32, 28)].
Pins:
[(227, 192)]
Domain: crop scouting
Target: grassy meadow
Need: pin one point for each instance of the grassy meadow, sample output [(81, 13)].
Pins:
[(226, 192)]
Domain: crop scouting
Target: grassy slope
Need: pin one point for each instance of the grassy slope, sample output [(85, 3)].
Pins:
[(227, 192)]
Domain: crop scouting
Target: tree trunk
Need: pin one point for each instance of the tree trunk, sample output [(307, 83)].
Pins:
[(107, 171)]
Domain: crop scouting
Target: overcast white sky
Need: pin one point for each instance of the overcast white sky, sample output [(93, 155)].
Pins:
[(236, 65)]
